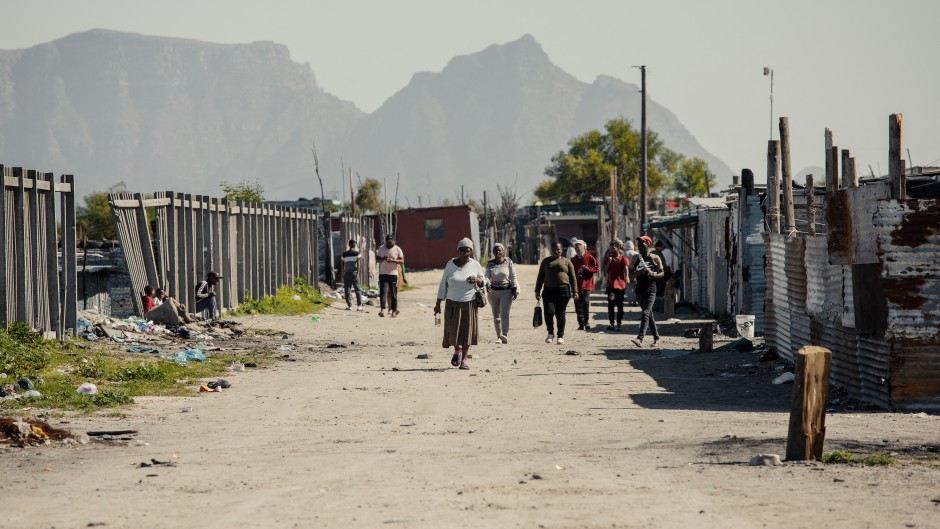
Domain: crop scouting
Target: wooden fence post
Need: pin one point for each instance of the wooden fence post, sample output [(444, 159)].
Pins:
[(787, 177), (706, 338), (773, 185), (895, 164), (808, 410), (810, 212)]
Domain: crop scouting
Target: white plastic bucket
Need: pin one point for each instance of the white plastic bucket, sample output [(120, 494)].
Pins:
[(745, 326)]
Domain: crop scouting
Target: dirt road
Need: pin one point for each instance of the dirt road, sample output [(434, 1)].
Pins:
[(367, 435)]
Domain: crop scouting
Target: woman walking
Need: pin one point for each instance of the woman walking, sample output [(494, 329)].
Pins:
[(556, 275), (615, 268), (647, 268), (462, 275), (585, 266), (503, 290)]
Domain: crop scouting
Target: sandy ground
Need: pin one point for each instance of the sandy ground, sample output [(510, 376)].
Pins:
[(368, 436)]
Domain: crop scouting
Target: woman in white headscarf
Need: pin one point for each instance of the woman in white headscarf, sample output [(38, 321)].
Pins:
[(462, 275), (503, 290)]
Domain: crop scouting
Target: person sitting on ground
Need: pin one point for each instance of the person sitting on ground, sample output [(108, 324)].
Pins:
[(159, 296), (147, 299), (205, 295)]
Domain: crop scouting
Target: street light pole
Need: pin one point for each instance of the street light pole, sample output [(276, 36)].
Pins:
[(538, 227), (770, 72), (643, 162)]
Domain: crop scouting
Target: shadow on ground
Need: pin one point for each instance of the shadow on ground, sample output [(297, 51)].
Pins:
[(722, 381)]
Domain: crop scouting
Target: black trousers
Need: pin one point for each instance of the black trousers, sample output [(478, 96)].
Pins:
[(556, 303), (615, 304), (351, 282), (386, 282), (582, 307), (646, 299)]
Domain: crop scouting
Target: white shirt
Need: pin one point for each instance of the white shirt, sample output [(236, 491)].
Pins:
[(454, 285)]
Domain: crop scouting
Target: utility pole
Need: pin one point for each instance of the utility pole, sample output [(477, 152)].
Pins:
[(643, 169), (614, 210)]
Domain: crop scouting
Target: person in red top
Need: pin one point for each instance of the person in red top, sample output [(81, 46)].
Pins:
[(585, 266), (616, 269), (147, 299)]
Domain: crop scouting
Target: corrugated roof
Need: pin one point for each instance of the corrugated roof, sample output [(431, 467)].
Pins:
[(708, 202)]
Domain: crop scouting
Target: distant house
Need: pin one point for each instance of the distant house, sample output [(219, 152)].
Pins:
[(429, 236)]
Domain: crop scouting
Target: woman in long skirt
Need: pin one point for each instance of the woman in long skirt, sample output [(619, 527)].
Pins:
[(462, 275)]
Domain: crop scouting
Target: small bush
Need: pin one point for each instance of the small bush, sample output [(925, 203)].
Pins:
[(879, 460), (839, 456), (308, 301), (22, 351)]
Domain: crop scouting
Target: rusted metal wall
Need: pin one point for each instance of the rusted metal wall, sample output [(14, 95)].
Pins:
[(869, 291), (908, 237)]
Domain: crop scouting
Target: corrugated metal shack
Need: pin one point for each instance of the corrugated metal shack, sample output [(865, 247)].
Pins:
[(861, 279), (103, 281)]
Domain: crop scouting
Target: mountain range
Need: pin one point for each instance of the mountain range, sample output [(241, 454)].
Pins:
[(184, 115)]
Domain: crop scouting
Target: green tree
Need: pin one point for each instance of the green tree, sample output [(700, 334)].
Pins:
[(94, 219), (583, 172), (245, 191), (368, 196), (692, 178)]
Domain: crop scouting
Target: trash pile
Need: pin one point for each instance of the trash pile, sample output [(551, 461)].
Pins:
[(92, 326), (31, 432), (23, 389)]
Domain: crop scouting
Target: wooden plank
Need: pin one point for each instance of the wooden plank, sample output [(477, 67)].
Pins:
[(787, 178), (149, 202), (5, 254), (845, 168), (70, 264), (895, 164), (170, 243), (189, 236), (20, 250), (852, 174), (53, 289), (146, 244), (807, 430)]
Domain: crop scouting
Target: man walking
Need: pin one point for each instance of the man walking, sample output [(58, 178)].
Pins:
[(585, 266), (389, 257), (351, 275)]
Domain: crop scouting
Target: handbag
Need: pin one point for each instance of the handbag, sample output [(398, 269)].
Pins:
[(537, 316), (480, 297)]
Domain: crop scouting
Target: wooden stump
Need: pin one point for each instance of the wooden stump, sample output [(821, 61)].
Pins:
[(706, 339), (808, 411)]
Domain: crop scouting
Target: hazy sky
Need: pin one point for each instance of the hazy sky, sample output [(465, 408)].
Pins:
[(846, 65)]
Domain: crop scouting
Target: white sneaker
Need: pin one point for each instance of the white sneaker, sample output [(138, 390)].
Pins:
[(550, 338), (499, 341), (360, 308), (348, 307), (503, 339), (561, 341)]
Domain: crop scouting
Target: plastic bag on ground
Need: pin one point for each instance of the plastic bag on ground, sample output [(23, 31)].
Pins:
[(190, 354), (87, 389)]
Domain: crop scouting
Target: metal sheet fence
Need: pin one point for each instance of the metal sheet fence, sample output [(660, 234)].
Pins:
[(37, 289), (255, 247), (361, 229)]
